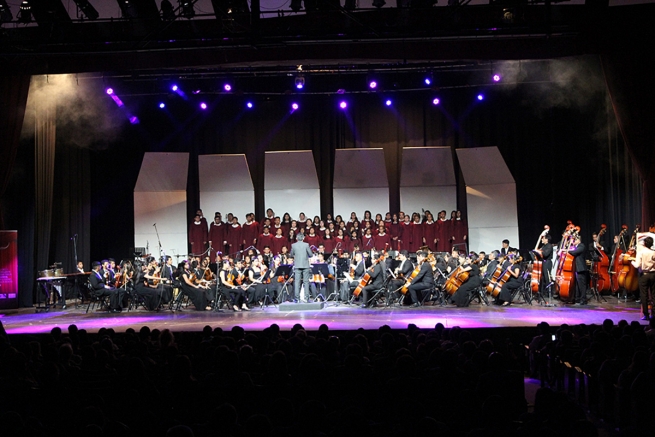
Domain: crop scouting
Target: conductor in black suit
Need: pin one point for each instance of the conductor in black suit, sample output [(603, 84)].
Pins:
[(300, 252), (100, 288), (423, 281), (581, 281)]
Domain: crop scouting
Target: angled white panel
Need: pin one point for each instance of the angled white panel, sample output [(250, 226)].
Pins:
[(490, 197), (427, 180), (225, 185), (160, 198), (291, 183), (360, 182)]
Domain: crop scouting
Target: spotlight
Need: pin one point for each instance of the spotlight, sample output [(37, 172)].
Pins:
[(162, 105), (249, 105), (167, 10), (187, 9), (227, 87), (134, 120), (496, 77), (428, 81), (341, 91), (480, 97), (87, 9), (388, 102), (5, 12), (203, 106), (372, 84), (294, 106), (25, 12), (343, 104), (109, 91), (436, 101), (300, 82), (174, 87)]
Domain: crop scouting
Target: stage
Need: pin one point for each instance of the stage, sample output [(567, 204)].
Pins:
[(337, 317)]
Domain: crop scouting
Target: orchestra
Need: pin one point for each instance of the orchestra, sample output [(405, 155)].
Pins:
[(398, 259)]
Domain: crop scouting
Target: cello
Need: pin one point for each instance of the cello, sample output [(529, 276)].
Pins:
[(629, 276), (367, 275), (600, 270), (502, 276), (565, 274), (410, 278), (614, 261), (537, 264), (456, 279)]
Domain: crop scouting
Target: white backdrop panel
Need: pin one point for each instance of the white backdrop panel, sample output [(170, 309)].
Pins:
[(427, 167), (483, 166), (294, 202), (492, 216), (360, 168), (359, 200), (226, 186), (160, 197), (413, 199), (291, 184)]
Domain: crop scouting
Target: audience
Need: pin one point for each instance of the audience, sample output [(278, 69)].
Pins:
[(413, 382)]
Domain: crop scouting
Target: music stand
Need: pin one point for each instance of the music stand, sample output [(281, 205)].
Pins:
[(320, 269), (284, 270)]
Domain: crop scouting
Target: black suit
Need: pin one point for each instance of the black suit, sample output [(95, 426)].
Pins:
[(97, 281), (581, 282), (547, 265), (348, 287), (423, 281), (377, 275)]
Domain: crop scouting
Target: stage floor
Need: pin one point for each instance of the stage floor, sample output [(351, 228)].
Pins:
[(341, 317)]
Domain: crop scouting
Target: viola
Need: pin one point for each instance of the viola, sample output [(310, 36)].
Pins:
[(629, 276), (537, 266)]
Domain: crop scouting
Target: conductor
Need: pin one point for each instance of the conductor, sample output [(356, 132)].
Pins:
[(301, 253)]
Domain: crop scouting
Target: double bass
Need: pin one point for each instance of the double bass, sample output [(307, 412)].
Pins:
[(565, 273), (600, 270), (629, 276), (615, 265), (537, 264)]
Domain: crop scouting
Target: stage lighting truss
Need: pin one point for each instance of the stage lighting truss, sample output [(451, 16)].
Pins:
[(25, 12), (300, 81), (186, 8)]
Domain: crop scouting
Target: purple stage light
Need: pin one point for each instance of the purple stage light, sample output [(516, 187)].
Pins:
[(294, 106), (480, 97), (134, 120), (162, 105), (203, 106), (110, 91), (436, 101), (372, 84), (300, 85), (249, 105), (174, 88), (343, 105), (496, 77), (428, 81), (388, 102), (227, 87)]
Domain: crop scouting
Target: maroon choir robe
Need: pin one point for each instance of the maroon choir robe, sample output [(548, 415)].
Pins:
[(405, 236), (198, 238), (217, 235), (277, 244), (368, 242), (417, 236), (430, 235), (394, 232), (341, 243), (329, 244), (264, 240), (352, 242), (383, 241), (313, 240), (249, 233), (444, 235), (234, 239), (459, 230)]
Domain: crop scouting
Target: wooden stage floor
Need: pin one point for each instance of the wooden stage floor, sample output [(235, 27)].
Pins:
[(342, 317)]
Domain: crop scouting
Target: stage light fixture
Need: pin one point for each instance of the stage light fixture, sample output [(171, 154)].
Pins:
[(296, 5), (294, 107), (496, 77), (343, 104), (249, 105), (5, 12), (143, 9), (227, 87), (134, 120), (162, 105), (174, 87), (109, 91), (87, 9), (25, 12), (372, 84), (480, 97), (300, 82), (167, 10), (388, 102), (187, 9), (223, 8), (203, 106), (436, 101)]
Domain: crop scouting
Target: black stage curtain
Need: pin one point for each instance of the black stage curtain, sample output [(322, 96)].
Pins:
[(630, 84)]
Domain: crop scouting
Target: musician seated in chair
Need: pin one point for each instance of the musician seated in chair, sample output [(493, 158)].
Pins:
[(402, 272), (513, 283), (462, 296), (377, 276), (100, 288), (423, 282), (357, 270)]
